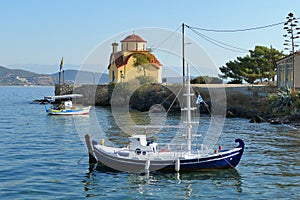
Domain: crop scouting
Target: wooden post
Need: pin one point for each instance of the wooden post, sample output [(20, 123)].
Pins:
[(59, 77)]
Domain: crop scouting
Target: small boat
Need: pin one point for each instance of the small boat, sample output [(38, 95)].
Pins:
[(63, 105), (144, 156)]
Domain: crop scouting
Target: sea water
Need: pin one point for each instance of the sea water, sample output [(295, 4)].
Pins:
[(43, 157)]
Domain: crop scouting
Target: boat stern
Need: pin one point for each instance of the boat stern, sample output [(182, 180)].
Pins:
[(47, 108)]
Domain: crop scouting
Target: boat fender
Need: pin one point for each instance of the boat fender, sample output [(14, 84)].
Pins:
[(220, 147), (177, 165), (102, 142), (147, 165)]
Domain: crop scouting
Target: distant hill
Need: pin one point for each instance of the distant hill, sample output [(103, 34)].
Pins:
[(23, 77), (81, 77)]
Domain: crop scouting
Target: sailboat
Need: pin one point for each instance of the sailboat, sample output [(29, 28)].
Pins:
[(144, 156)]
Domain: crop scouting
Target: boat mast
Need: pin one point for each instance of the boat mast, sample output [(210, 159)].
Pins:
[(188, 99), (183, 61)]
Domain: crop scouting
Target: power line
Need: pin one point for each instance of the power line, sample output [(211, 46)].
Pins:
[(153, 47), (167, 38), (220, 44), (236, 30)]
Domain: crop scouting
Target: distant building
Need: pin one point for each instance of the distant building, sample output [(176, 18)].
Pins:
[(285, 71), (121, 65)]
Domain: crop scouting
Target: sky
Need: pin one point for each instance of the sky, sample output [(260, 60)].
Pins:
[(36, 34)]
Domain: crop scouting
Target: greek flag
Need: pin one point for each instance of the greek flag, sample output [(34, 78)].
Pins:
[(199, 99)]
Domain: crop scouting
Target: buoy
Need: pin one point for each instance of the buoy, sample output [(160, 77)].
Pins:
[(220, 147), (147, 165), (102, 142), (177, 165)]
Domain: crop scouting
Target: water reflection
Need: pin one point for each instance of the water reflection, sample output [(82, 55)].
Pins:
[(269, 168), (158, 184)]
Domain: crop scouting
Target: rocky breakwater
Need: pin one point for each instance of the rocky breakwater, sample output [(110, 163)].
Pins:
[(98, 95), (242, 101)]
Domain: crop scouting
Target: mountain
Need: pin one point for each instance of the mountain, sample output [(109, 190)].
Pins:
[(81, 77), (23, 77)]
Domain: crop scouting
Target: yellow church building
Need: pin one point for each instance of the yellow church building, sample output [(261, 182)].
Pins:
[(122, 63)]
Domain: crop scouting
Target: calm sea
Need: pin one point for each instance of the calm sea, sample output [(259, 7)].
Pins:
[(43, 157)]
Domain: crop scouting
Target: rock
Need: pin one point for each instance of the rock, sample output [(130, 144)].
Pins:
[(241, 112), (257, 119), (41, 101), (256, 103), (275, 121), (230, 114), (295, 118), (286, 120)]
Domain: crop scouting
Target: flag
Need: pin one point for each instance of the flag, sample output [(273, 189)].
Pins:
[(199, 99), (61, 63)]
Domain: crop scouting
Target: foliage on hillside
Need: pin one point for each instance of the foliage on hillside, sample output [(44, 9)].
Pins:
[(142, 61), (284, 102)]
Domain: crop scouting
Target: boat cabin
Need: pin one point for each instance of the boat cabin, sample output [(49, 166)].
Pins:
[(62, 101), (139, 145), (68, 104)]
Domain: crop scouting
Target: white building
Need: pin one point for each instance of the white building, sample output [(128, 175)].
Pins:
[(285, 71)]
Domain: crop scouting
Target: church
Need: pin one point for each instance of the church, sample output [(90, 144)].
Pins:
[(123, 64)]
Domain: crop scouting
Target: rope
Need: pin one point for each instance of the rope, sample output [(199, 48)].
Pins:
[(174, 100), (166, 100), (227, 161), (163, 41)]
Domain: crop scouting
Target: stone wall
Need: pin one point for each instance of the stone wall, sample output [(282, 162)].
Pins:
[(241, 101), (92, 94)]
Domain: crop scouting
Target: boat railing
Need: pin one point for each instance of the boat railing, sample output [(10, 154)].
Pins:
[(177, 149)]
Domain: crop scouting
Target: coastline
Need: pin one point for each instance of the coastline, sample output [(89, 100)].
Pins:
[(242, 101)]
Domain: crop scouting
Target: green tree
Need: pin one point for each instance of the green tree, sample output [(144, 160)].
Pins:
[(260, 64), (232, 70), (250, 70), (144, 79), (142, 61)]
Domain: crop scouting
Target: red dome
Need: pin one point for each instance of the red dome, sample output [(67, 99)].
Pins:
[(133, 38)]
